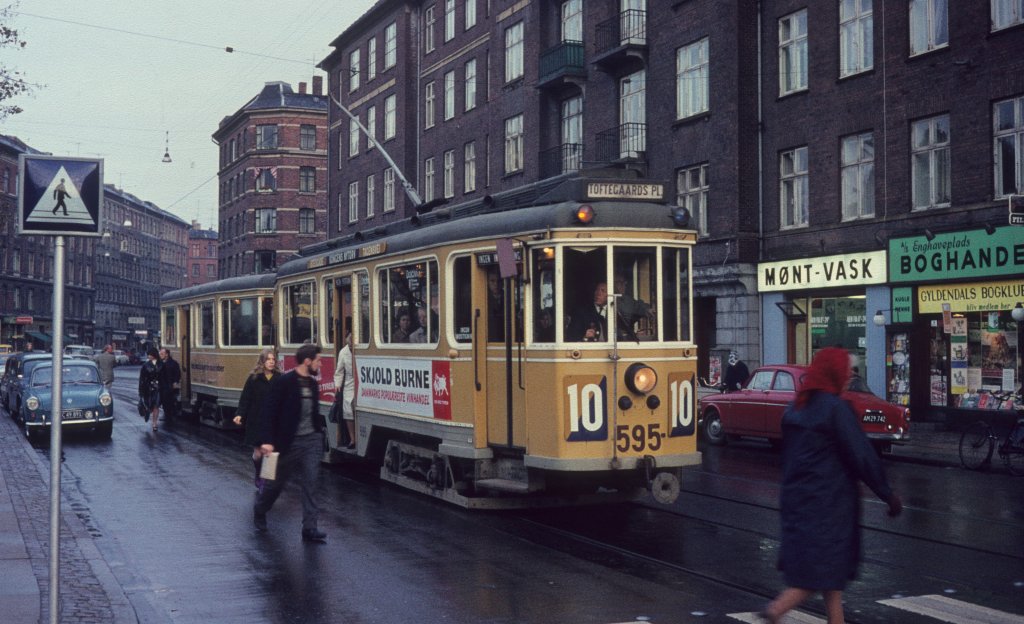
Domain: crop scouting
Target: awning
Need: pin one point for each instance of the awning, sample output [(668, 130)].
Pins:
[(38, 336)]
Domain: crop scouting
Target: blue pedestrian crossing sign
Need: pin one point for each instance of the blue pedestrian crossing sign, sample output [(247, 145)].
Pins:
[(59, 195)]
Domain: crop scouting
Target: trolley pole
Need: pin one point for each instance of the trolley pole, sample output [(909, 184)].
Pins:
[(56, 416)]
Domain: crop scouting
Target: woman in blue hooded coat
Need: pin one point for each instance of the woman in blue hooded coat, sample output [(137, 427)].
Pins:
[(825, 453)]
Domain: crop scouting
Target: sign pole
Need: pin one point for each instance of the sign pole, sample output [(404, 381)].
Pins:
[(56, 416)]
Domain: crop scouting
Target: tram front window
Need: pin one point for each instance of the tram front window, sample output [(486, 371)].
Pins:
[(635, 289), (585, 293)]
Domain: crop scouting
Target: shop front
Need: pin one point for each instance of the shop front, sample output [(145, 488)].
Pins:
[(954, 346), (813, 303)]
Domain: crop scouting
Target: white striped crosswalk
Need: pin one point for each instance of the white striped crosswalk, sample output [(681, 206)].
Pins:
[(934, 606)]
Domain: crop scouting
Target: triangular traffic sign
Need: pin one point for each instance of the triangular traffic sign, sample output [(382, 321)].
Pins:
[(61, 204)]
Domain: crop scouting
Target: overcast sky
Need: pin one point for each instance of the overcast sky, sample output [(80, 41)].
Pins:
[(112, 94)]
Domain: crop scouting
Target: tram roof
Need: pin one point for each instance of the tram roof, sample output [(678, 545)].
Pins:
[(243, 282), (518, 221)]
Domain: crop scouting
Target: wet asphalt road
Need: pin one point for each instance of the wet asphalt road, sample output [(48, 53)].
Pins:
[(171, 514)]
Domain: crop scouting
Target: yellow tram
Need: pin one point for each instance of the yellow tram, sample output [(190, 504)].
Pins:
[(540, 355), (216, 331)]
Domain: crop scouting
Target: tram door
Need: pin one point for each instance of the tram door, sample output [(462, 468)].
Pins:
[(339, 324), (506, 419), (184, 314)]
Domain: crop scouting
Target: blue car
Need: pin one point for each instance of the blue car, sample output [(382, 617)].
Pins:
[(87, 404), (16, 373)]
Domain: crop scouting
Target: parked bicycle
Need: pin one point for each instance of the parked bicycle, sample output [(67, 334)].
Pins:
[(979, 440)]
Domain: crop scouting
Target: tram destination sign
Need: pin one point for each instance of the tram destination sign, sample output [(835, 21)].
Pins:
[(625, 190)]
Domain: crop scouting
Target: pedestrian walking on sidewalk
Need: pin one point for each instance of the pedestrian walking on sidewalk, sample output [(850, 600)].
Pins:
[(250, 405), (293, 426), (105, 362), (824, 455), (170, 384), (149, 387)]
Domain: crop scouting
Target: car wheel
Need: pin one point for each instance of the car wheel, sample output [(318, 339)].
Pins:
[(713, 431)]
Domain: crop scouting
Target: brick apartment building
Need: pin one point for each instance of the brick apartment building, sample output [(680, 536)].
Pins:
[(829, 153), (202, 255), (273, 178)]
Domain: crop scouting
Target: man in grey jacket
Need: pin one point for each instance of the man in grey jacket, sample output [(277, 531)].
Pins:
[(105, 363)]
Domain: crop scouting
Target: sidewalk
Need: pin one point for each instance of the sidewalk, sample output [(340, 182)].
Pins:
[(930, 443), (89, 593)]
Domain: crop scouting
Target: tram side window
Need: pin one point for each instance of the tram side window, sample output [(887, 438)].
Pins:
[(239, 322), (362, 334), (329, 310), (300, 313), (543, 280), (407, 294), (676, 294), (462, 299), (170, 335), (206, 332), (267, 321), (585, 293), (635, 285)]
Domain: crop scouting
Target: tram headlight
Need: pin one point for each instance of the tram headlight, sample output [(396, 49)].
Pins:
[(641, 378)]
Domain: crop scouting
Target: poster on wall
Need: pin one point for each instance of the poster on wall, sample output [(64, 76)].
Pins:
[(938, 390), (958, 356), (715, 372)]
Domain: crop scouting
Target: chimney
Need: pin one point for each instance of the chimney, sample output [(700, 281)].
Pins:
[(318, 83), (302, 88), (195, 225)]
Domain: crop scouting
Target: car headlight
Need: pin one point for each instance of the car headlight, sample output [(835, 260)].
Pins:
[(32, 403), (105, 400), (641, 378)]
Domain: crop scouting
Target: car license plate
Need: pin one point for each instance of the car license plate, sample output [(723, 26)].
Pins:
[(71, 414), (874, 418)]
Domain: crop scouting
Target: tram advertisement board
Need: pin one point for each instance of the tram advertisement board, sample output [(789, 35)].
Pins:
[(406, 386)]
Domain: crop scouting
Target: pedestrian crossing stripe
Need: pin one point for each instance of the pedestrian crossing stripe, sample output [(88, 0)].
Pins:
[(933, 605), (51, 208), (951, 610)]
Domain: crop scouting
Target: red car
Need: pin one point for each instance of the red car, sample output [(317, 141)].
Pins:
[(756, 409)]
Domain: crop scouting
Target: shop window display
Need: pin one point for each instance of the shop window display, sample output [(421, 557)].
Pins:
[(992, 360)]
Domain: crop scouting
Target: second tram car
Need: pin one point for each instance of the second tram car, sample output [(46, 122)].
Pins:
[(502, 359)]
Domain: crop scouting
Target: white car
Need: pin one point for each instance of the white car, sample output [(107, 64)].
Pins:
[(120, 357)]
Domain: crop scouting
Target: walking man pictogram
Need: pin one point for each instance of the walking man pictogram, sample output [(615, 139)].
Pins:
[(59, 194)]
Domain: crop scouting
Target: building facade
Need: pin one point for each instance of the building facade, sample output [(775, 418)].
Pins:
[(202, 255), (26, 271), (821, 149), (273, 178)]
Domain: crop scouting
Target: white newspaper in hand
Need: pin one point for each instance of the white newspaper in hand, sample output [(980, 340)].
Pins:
[(268, 469)]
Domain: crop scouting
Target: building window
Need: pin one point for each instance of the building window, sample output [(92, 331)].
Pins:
[(390, 45), (1008, 117), (353, 202), (470, 14), (266, 179), (469, 167), (428, 179), (264, 261), (692, 79), (793, 52), (856, 38), (266, 137), (341, 147), (389, 190), (633, 115), (307, 179), (428, 105), (371, 195), (340, 211), (449, 95), (1006, 13), (514, 144), (353, 136), (572, 21), (195, 269), (793, 187), (692, 194), (514, 52), (929, 25), (449, 20), (470, 84), (211, 271), (266, 220), (930, 157), (449, 174), (390, 102), (353, 70), (858, 176), (307, 221), (572, 134), (371, 59), (428, 28), (371, 127), (307, 137)]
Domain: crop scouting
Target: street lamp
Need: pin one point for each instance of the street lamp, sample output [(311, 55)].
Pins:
[(1018, 312), (879, 318)]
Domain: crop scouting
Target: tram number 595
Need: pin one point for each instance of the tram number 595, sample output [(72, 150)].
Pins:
[(639, 437)]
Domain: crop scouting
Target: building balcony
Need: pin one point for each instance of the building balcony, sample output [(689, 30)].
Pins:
[(561, 65), (622, 39), (623, 144), (564, 158)]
